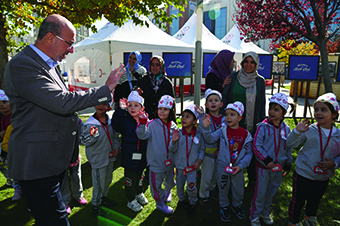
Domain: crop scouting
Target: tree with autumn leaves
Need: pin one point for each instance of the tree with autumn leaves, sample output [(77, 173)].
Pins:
[(317, 21), (17, 16)]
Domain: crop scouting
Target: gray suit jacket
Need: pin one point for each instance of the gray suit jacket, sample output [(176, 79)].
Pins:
[(44, 117)]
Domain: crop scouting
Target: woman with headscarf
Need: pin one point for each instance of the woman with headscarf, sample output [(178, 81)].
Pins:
[(248, 87), (220, 69), (127, 82), (154, 85)]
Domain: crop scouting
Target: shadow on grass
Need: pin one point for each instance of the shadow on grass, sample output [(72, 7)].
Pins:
[(15, 213)]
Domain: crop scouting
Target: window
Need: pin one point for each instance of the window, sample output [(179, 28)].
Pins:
[(192, 8), (174, 27), (215, 21)]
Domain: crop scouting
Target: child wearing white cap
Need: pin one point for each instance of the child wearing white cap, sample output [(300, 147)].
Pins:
[(273, 158), (102, 147), (317, 159), (188, 145), (208, 188), (133, 150), (235, 154), (158, 132)]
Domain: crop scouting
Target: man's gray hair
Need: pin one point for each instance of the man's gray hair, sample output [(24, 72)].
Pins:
[(48, 26)]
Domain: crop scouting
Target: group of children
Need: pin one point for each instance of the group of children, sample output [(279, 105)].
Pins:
[(221, 149)]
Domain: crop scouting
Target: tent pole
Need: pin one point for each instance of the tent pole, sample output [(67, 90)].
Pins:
[(198, 53)]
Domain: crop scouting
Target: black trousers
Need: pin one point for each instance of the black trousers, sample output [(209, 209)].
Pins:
[(133, 183), (305, 190), (44, 199)]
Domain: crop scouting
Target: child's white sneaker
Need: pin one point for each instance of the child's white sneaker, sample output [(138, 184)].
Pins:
[(134, 205), (255, 221), (142, 199), (310, 221), (267, 220)]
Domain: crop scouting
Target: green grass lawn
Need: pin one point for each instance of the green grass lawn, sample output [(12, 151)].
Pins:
[(16, 214)]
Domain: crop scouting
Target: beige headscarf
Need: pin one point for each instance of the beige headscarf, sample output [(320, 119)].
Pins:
[(248, 81)]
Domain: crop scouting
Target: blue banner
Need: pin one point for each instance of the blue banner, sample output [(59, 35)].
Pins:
[(207, 58), (265, 66), (145, 59), (303, 68), (178, 64)]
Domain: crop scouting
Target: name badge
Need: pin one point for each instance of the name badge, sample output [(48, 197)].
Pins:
[(136, 156), (168, 162), (318, 170), (277, 168), (196, 140), (188, 169), (229, 169)]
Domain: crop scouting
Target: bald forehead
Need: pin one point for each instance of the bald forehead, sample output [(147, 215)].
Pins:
[(61, 21)]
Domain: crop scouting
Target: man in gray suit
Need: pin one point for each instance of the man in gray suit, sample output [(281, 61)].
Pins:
[(44, 118)]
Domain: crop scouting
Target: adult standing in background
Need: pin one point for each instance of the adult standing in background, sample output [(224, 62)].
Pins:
[(220, 68), (248, 87), (154, 85), (44, 118), (127, 82)]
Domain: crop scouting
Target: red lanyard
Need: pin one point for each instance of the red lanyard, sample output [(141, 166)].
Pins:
[(166, 139), (138, 145), (320, 136), (106, 129), (232, 160), (192, 141), (277, 149)]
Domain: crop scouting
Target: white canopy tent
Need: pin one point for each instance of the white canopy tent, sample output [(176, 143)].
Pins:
[(95, 56), (234, 39)]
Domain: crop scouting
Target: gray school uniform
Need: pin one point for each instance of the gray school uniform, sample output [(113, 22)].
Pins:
[(310, 154), (209, 164), (226, 180), (196, 151), (98, 149), (268, 182), (156, 155)]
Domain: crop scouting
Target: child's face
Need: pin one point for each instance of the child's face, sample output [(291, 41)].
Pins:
[(213, 103), (134, 108), (232, 118), (323, 114), (102, 108), (275, 113), (188, 120), (4, 107), (163, 113)]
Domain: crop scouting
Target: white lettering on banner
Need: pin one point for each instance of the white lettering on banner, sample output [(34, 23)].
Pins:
[(176, 64), (261, 67), (302, 67)]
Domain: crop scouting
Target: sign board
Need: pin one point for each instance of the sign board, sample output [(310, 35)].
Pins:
[(178, 64), (207, 58), (265, 66), (303, 68)]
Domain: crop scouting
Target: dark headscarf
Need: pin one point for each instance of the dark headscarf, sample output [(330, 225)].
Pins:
[(221, 63)]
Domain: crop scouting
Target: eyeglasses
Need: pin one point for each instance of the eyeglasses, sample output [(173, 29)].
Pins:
[(69, 43)]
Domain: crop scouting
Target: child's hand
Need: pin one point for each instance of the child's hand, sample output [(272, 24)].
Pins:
[(271, 165), (123, 103), (197, 164), (2, 133), (328, 164), (175, 136), (303, 126), (227, 80), (237, 169), (285, 173), (142, 114), (198, 109), (115, 152), (93, 130), (206, 121)]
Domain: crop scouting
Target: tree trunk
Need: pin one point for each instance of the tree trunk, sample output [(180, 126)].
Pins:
[(324, 66), (3, 50)]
